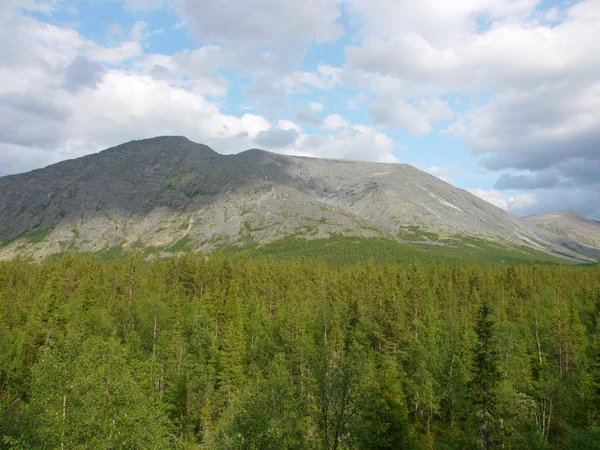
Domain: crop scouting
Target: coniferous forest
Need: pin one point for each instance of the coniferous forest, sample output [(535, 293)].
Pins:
[(230, 352)]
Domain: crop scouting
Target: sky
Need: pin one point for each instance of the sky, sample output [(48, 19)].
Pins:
[(499, 97)]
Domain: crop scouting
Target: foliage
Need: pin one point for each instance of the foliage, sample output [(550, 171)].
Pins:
[(38, 235), (352, 250), (235, 352)]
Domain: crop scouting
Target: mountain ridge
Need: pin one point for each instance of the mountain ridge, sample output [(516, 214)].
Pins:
[(170, 193), (578, 232)]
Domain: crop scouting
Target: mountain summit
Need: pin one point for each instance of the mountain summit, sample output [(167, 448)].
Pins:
[(169, 193)]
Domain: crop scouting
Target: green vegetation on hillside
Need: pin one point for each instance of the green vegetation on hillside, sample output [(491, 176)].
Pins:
[(349, 250), (233, 352)]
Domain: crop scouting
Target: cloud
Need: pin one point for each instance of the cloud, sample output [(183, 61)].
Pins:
[(523, 79), (357, 102), (263, 88), (448, 174), (102, 105), (196, 69), (263, 21), (539, 180), (583, 200), (535, 129), (288, 125), (538, 66), (551, 132), (513, 204), (309, 119), (276, 138), (441, 46), (40, 6), (416, 118), (325, 78), (437, 20), (82, 73), (357, 142), (33, 105), (140, 31), (394, 112), (114, 94), (335, 122)]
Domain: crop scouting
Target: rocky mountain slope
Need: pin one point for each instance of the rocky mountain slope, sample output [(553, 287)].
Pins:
[(171, 194), (578, 232)]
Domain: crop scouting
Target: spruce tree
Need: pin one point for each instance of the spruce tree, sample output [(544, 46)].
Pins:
[(486, 377)]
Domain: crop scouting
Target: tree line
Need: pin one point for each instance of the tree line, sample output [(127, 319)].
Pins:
[(230, 352)]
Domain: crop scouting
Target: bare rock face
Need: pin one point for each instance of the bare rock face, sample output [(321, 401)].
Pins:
[(171, 194), (576, 231)]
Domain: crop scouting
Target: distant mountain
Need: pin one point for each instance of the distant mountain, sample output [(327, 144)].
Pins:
[(170, 194), (577, 232)]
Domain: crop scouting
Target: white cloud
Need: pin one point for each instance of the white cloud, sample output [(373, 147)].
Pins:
[(436, 20), (448, 174), (417, 118), (192, 69), (506, 202), (357, 142), (140, 31), (535, 129), (552, 15), (437, 46), (288, 125), (325, 78), (315, 107), (357, 102), (540, 68), (335, 122), (263, 21), (401, 114), (41, 6)]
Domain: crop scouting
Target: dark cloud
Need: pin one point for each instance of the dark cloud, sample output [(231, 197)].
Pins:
[(542, 180), (29, 119), (32, 104), (276, 138), (82, 73), (309, 119), (19, 129), (584, 201), (536, 130), (553, 132), (581, 172)]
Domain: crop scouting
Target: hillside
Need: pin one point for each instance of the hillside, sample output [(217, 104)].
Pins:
[(578, 232), (169, 194)]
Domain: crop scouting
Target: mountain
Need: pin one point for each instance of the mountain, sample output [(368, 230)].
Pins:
[(170, 194), (577, 232)]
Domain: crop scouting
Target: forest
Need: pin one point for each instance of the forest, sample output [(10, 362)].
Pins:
[(233, 352)]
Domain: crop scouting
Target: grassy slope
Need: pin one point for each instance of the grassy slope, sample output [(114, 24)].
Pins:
[(349, 250), (346, 250)]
